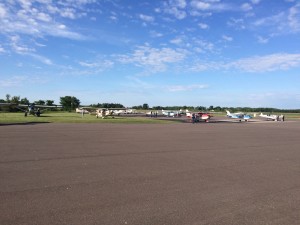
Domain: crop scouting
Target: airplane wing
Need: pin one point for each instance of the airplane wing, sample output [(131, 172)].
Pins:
[(39, 106), (26, 105), (7, 104)]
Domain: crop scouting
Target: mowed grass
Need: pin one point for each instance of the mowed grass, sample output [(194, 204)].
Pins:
[(69, 117), (292, 115)]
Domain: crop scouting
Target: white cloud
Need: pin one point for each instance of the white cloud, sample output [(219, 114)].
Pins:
[(227, 38), (2, 11), (19, 81), (14, 81), (179, 14), (262, 40), (294, 18), (246, 7), (178, 3), (175, 8), (282, 23), (36, 18), (146, 18), (203, 26), (68, 13), (176, 41), (155, 34), (200, 5), (40, 58), (255, 1), (18, 47), (103, 64), (154, 59), (210, 5), (175, 88), (1, 49), (256, 64), (267, 63), (204, 45), (238, 24), (43, 17)]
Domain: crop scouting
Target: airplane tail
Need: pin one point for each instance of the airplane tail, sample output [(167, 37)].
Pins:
[(228, 113)]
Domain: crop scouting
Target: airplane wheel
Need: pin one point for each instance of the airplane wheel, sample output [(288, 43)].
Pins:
[(25, 114), (38, 114)]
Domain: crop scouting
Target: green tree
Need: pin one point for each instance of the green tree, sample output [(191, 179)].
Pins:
[(145, 106), (15, 99), (49, 102), (69, 102), (40, 102), (24, 101), (7, 98)]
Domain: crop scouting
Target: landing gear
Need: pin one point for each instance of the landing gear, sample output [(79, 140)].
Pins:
[(25, 114)]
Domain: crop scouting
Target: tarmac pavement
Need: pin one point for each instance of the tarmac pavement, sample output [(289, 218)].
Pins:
[(155, 174)]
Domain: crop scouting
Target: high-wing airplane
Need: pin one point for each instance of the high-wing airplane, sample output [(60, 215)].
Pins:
[(31, 108), (105, 112), (81, 110), (269, 117), (240, 116), (172, 113), (199, 116)]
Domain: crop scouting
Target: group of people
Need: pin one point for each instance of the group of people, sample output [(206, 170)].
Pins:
[(153, 114)]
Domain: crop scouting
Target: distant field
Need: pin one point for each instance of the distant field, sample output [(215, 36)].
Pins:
[(292, 115), (66, 117)]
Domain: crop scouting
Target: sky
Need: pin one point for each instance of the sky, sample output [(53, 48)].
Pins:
[(228, 53)]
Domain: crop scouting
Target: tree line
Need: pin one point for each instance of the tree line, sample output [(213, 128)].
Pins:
[(70, 103), (218, 108)]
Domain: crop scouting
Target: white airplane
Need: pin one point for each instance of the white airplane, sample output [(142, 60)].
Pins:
[(32, 108), (105, 112), (172, 113), (238, 116), (130, 111), (82, 110), (269, 117)]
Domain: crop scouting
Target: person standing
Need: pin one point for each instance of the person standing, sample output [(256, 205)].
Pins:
[(193, 118)]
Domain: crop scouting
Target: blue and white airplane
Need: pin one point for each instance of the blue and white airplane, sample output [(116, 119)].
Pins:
[(240, 116)]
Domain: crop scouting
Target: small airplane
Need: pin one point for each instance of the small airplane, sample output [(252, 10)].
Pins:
[(240, 116), (269, 117), (172, 113), (199, 116), (32, 108), (82, 110), (105, 112)]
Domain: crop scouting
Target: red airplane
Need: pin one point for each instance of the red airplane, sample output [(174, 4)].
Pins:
[(199, 116)]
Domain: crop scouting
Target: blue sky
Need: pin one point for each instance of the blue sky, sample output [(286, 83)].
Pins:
[(171, 52)]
